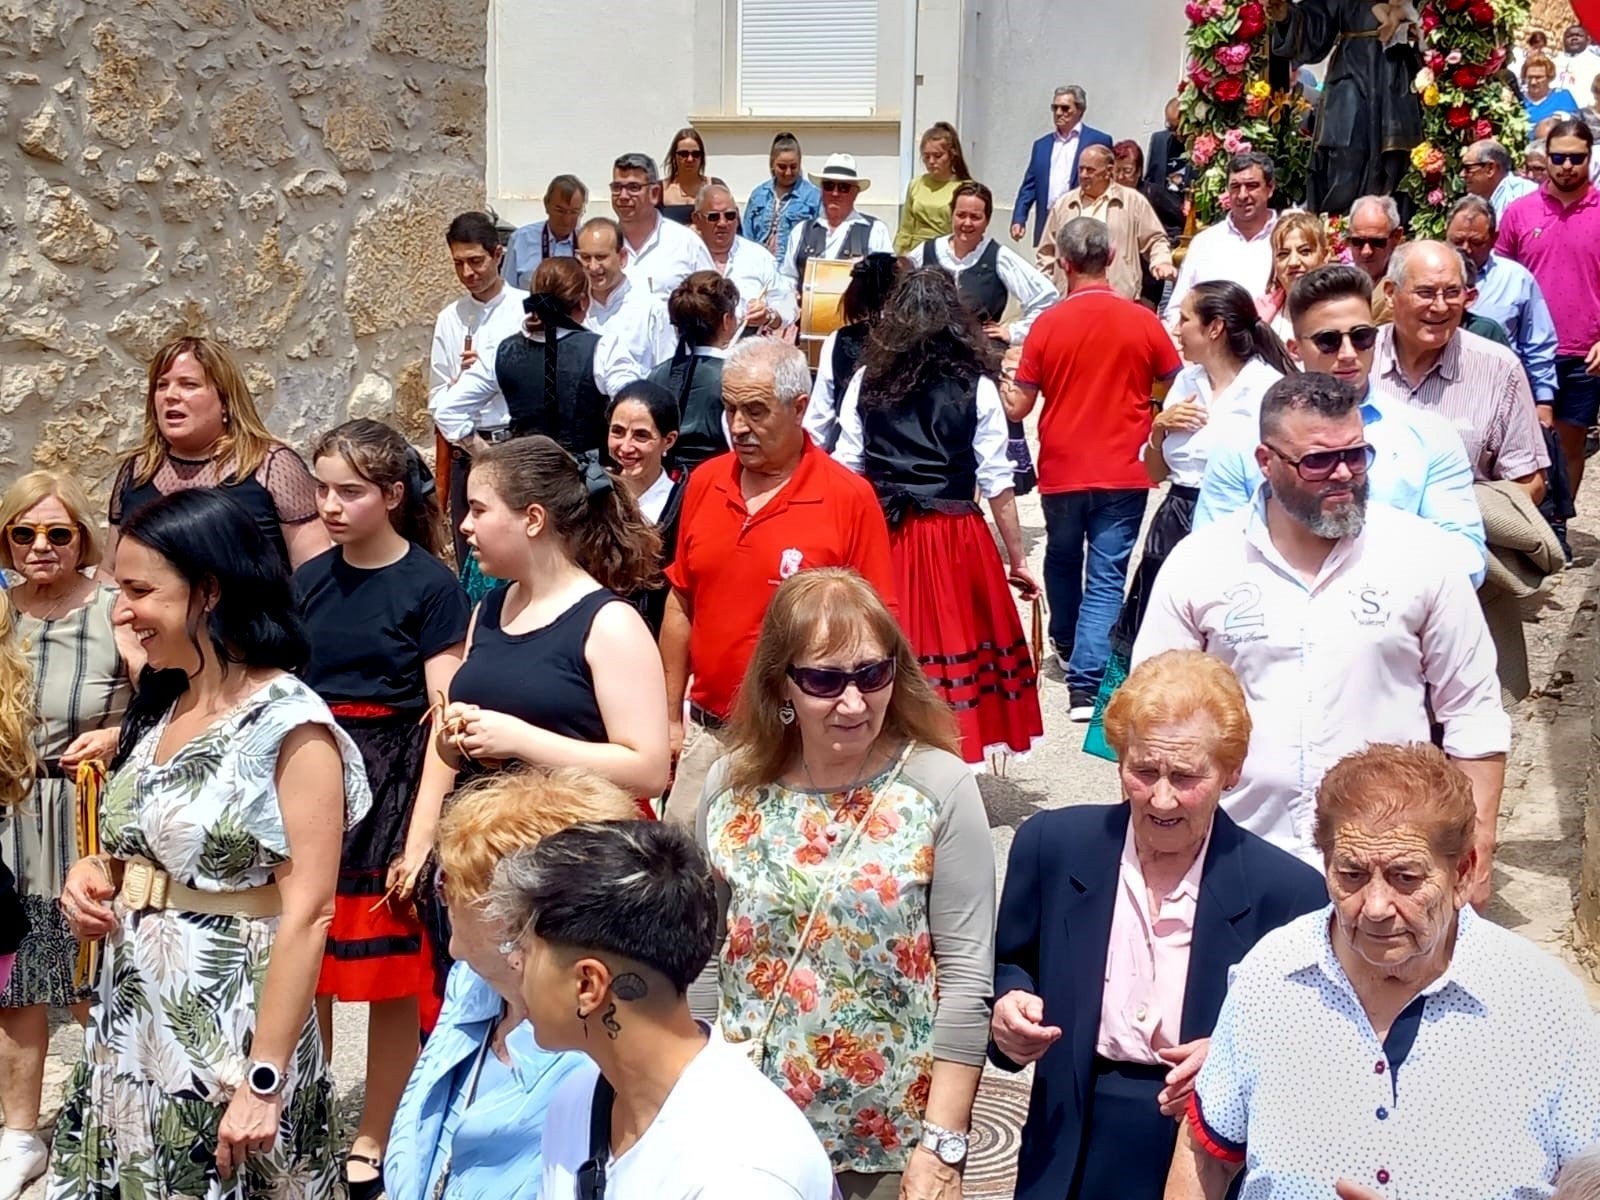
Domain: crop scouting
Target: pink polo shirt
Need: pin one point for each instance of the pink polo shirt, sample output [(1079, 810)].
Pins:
[(1561, 246), (1147, 962)]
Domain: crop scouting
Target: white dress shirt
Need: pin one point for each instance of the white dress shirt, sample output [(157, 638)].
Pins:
[(879, 241), (1026, 284), (1240, 401), (488, 323), (1328, 667), (653, 500), (996, 472), (1222, 252), (1495, 1092), (1063, 158), (529, 247), (822, 413), (635, 334), (666, 258), (755, 273)]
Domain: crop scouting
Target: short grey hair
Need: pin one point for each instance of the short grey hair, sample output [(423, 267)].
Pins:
[(1391, 210), (786, 364), (638, 162), (1477, 206), (1580, 1177), (1079, 96), (1491, 151), (1538, 147), (706, 191), (1399, 265), (1085, 244)]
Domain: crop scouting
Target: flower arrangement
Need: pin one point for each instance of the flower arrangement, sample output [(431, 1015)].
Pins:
[(1229, 107), (1464, 98)]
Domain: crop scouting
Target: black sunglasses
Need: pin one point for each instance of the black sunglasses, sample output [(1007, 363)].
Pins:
[(690, 153), (57, 535), (716, 218), (1566, 160), (1319, 464), (835, 185), (1362, 338), (829, 683), (1368, 243)]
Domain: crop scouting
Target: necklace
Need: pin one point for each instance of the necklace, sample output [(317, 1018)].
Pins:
[(861, 776), (56, 610)]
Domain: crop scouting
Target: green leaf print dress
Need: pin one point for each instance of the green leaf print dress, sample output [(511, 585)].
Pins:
[(175, 1007)]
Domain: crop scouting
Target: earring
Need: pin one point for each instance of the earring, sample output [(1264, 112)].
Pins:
[(786, 713), (584, 1017)]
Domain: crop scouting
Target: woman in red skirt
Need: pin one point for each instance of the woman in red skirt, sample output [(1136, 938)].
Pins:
[(387, 622), (922, 421)]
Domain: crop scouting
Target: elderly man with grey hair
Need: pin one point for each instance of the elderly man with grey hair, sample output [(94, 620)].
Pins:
[(772, 506), (1053, 162), (1372, 231), (1425, 359), (1487, 171), (769, 301), (1138, 238), (1098, 358), (658, 255)]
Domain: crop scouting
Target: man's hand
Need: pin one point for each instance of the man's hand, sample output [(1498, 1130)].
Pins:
[(675, 737), (1165, 272), (1018, 229), (1545, 410), (1483, 869), (1018, 1030), (1591, 361), (757, 313), (1186, 1061), (468, 357), (928, 1178)]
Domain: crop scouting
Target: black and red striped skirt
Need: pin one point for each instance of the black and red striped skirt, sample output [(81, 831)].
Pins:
[(961, 617)]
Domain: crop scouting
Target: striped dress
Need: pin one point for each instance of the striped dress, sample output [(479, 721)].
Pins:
[(80, 684)]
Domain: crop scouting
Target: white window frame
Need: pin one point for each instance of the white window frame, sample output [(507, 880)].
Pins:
[(817, 58)]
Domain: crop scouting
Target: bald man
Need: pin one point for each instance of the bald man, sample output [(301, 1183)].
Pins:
[(769, 301), (1138, 238)]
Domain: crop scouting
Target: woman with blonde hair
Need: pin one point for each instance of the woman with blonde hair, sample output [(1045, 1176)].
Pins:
[(1299, 243), (471, 1118), (201, 429), (926, 213), (68, 669), (853, 864), (16, 769)]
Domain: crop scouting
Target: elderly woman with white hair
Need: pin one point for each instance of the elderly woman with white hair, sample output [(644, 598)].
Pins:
[(1394, 1043)]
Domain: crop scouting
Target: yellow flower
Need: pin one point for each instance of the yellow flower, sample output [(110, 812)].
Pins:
[(1430, 96), (1419, 156), (1260, 89)]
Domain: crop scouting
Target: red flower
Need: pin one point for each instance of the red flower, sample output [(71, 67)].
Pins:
[(1465, 77), (913, 958), (1456, 5), (1483, 129), (1252, 21), (870, 1123), (1496, 60), (1195, 13), (1430, 21), (1434, 61), (1481, 12), (1229, 90), (741, 939), (1459, 116)]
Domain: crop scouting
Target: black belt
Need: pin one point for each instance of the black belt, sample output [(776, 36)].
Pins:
[(495, 436), (1147, 1071), (705, 718), (1183, 491)]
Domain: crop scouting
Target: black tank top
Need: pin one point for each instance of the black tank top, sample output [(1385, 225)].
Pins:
[(541, 676)]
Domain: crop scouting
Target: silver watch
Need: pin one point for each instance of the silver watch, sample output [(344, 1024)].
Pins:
[(265, 1080), (949, 1146)]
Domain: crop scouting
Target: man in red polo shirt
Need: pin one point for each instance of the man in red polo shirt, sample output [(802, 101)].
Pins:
[(774, 505), (1099, 359)]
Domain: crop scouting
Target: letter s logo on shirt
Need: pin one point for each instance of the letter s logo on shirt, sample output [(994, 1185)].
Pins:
[(789, 563), (1369, 605)]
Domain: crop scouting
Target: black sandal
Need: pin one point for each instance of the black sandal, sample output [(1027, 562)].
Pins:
[(364, 1189)]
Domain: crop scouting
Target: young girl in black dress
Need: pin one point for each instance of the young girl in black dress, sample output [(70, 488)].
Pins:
[(387, 622)]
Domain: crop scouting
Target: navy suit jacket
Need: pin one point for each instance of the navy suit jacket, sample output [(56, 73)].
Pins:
[(1035, 190), (1053, 928)]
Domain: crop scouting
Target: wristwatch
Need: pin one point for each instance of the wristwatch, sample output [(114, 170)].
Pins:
[(265, 1080), (949, 1146)]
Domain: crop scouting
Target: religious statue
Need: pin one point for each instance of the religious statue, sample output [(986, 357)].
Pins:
[(1369, 119)]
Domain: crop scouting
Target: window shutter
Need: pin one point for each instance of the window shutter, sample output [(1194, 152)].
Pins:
[(808, 59)]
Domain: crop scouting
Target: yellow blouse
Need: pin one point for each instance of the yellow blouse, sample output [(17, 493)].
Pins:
[(926, 213)]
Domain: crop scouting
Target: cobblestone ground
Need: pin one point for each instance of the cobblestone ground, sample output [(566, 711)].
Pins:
[(1535, 876)]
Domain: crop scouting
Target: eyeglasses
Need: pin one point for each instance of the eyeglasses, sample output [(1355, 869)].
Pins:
[(1367, 243), (836, 185), (1476, 166), (22, 534), (1362, 338), (716, 218), (829, 683), (690, 153), (1066, 108), (631, 187), (1450, 295), (1319, 464), (1558, 159)]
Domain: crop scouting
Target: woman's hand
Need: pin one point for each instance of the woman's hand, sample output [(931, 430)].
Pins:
[(87, 747), (1022, 579), (83, 896), (1185, 1061), (1184, 417), (1018, 1030), (401, 881), (482, 733), (998, 331), (926, 1178), (249, 1126)]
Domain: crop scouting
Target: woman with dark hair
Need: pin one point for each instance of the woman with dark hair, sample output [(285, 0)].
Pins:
[(783, 201), (705, 311), (683, 175), (923, 423), (560, 671), (202, 430), (926, 212), (872, 279), (642, 430), (1235, 357), (220, 831), (387, 624)]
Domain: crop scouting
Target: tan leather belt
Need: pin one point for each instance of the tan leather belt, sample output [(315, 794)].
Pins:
[(146, 887)]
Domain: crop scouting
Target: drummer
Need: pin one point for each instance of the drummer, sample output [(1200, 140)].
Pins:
[(769, 301), (840, 232)]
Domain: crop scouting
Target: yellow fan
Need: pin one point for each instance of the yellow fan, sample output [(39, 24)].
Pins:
[(91, 781)]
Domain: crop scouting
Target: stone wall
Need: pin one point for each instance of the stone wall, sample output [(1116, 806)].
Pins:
[(276, 173), (1552, 16)]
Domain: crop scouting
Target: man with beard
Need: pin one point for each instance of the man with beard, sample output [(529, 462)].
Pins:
[(1342, 623)]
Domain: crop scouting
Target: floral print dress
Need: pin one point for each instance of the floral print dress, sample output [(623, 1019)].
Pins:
[(169, 1038), (850, 1038)]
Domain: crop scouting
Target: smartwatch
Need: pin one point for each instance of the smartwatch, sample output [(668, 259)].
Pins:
[(947, 1145), (265, 1080)]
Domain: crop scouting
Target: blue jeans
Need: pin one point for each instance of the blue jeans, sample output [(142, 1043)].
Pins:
[(1086, 597)]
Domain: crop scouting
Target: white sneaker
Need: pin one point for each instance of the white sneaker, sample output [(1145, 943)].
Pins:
[(23, 1158)]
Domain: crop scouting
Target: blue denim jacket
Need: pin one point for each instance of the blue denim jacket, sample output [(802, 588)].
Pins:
[(805, 202), (496, 1150)]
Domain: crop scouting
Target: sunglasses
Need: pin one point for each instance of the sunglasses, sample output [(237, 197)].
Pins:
[(1319, 464), (21, 534), (717, 218), (1566, 160), (834, 185), (1368, 243), (829, 683), (690, 153), (1362, 338), (1063, 108)]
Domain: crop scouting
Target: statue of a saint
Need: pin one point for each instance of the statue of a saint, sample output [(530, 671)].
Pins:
[(1369, 119)]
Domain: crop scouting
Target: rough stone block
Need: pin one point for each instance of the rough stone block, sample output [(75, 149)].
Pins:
[(441, 31), (131, 94), (43, 135), (247, 127), (398, 273), (63, 229)]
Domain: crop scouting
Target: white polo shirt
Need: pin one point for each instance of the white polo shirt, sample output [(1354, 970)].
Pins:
[(1220, 251), (666, 258), (1330, 667), (455, 412), (1483, 1090), (725, 1133), (635, 334), (754, 272)]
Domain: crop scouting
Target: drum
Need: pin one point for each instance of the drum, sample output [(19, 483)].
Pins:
[(822, 303)]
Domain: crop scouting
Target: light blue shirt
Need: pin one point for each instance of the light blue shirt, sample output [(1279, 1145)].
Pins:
[(1512, 187), (1420, 468), (1508, 293), (526, 251)]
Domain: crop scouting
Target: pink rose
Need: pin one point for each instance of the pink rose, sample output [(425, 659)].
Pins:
[(1194, 12), (1216, 8), (1234, 58), (1202, 77), (1436, 196), (1483, 129), (1235, 142), (1204, 149)]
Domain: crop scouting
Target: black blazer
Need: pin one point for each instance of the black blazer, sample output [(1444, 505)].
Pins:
[(1053, 928)]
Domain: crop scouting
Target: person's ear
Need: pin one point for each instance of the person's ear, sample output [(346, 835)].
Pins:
[(669, 441), (394, 495), (1292, 345), (593, 980), (1263, 457), (536, 519)]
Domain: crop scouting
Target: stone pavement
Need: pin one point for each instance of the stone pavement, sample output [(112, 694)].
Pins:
[(1535, 877)]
